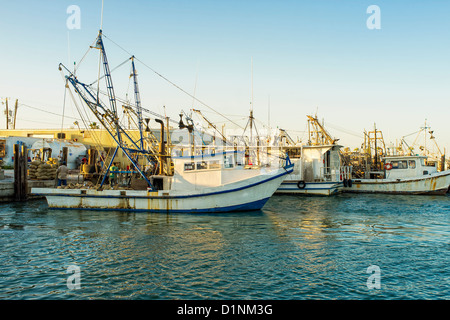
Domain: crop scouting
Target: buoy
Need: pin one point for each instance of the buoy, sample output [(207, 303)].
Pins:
[(301, 184)]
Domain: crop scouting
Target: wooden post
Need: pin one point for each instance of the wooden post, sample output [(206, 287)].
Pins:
[(7, 115), (20, 172), (15, 113), (16, 171), (24, 172)]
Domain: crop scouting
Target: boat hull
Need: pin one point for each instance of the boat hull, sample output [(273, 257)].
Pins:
[(310, 188), (246, 195), (433, 184)]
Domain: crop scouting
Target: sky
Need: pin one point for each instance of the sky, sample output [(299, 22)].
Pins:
[(287, 59)]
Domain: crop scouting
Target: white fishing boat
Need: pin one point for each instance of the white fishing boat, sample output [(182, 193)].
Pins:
[(319, 168), (405, 175), (200, 181), (208, 183), (317, 171)]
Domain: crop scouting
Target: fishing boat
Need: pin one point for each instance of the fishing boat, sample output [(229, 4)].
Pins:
[(202, 180), (209, 183), (318, 165), (405, 175), (317, 171), (375, 170)]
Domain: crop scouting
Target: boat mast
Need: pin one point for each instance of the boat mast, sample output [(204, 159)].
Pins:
[(425, 138), (108, 117), (321, 135), (251, 105), (138, 102), (249, 124), (376, 151)]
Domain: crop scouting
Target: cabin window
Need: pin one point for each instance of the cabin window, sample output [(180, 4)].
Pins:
[(189, 166), (158, 183), (412, 164), (202, 165), (214, 164), (402, 164)]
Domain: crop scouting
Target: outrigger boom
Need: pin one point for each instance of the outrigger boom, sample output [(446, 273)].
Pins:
[(108, 117)]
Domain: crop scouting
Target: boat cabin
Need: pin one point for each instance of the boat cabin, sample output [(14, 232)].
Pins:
[(397, 167), (317, 163), (210, 170)]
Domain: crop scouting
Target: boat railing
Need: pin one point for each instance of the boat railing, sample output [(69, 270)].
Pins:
[(336, 173), (346, 172)]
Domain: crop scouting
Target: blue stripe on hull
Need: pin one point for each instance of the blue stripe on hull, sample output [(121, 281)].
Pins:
[(310, 183), (251, 206), (307, 189)]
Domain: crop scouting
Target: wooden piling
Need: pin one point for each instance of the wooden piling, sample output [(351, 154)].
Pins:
[(20, 172)]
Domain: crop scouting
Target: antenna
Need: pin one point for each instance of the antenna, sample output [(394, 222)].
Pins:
[(101, 18), (68, 48), (251, 103), (195, 87)]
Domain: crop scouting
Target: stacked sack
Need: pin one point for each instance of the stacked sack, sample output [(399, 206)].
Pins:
[(42, 171)]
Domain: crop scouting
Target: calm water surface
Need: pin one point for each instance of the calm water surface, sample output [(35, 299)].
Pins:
[(295, 248)]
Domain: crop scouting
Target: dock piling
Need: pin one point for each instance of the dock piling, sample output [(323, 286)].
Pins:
[(20, 172)]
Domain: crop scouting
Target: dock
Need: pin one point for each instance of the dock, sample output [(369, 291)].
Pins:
[(7, 193)]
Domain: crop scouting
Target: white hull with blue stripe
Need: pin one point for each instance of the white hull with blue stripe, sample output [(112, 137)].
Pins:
[(209, 189), (318, 171), (309, 188)]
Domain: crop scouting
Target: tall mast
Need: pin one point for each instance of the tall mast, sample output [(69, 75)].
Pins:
[(376, 151), (251, 104), (108, 79), (108, 116), (138, 102), (425, 138)]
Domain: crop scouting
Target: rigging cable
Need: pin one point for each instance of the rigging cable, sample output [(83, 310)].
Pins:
[(75, 68), (56, 114), (173, 84)]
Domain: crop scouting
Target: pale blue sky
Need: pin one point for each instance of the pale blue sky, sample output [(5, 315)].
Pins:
[(307, 56)]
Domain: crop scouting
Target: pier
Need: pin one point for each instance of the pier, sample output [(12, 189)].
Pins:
[(15, 184), (7, 193)]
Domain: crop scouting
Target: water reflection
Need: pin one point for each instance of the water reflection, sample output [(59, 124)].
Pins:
[(295, 248)]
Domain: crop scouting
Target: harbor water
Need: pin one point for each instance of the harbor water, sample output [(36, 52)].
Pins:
[(322, 248)]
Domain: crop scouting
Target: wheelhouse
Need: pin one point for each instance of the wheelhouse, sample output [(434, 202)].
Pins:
[(407, 166)]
